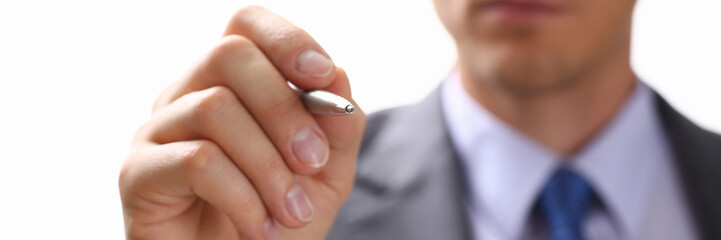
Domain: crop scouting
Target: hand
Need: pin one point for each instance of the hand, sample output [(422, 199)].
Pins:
[(231, 153)]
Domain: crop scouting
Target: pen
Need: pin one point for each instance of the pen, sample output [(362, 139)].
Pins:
[(324, 102)]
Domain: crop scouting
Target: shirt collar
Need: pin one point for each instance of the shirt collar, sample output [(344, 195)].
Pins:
[(622, 161), (506, 170)]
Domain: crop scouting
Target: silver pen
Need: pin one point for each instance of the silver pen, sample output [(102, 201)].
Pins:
[(324, 102)]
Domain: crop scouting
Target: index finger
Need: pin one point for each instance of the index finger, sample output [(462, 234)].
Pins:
[(296, 55)]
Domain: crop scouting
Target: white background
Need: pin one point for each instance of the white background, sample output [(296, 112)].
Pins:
[(78, 77)]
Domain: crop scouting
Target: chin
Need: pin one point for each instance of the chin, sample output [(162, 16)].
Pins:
[(520, 72)]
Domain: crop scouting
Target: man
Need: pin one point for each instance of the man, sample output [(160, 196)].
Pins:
[(541, 132)]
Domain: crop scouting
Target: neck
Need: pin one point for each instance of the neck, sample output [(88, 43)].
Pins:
[(563, 120)]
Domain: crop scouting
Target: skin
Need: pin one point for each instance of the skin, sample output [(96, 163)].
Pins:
[(216, 161), (558, 79)]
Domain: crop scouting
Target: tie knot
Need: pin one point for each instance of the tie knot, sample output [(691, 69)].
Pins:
[(563, 202)]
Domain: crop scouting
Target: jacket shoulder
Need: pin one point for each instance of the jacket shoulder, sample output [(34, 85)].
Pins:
[(698, 158)]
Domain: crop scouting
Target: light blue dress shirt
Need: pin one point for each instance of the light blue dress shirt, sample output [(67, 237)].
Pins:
[(629, 165)]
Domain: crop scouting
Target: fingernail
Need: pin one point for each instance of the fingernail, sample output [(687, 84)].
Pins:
[(313, 63), (309, 148), (270, 229), (298, 204)]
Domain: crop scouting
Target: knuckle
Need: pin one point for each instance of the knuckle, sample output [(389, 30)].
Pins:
[(141, 133), (231, 50), (144, 133), (272, 164), (233, 44), (163, 99), (277, 174), (219, 94), (249, 10), (246, 202), (211, 103), (342, 190), (200, 156), (130, 172), (283, 104), (124, 177)]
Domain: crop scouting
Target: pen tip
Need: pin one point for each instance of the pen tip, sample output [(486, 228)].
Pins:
[(349, 109)]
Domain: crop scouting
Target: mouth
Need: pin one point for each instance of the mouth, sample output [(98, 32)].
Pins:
[(518, 11)]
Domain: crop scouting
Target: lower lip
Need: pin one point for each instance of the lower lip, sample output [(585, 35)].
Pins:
[(519, 12)]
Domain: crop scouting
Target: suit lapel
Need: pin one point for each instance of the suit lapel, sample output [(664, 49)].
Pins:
[(409, 182), (698, 158)]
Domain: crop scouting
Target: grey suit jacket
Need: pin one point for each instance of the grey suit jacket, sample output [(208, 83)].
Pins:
[(410, 184)]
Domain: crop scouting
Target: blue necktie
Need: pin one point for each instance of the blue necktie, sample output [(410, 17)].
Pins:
[(563, 203)]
